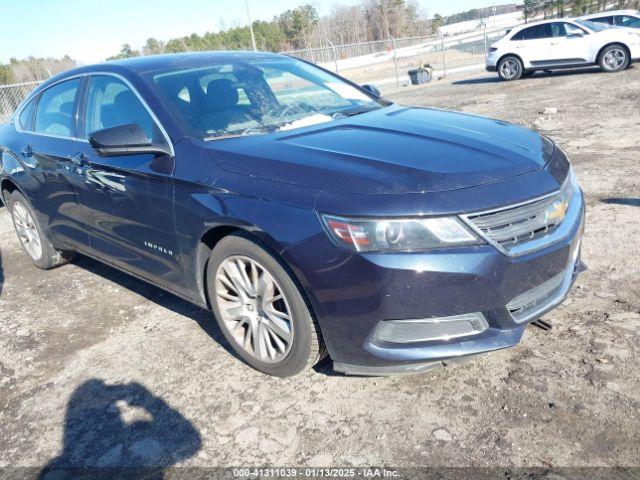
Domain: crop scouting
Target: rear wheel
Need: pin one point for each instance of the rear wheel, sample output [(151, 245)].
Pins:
[(510, 68), (613, 58), (32, 238), (260, 309)]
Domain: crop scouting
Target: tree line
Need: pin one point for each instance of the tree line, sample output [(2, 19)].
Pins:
[(302, 27), (33, 69)]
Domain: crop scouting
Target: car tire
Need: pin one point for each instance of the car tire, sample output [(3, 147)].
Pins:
[(255, 325), (510, 68), (614, 58), (33, 239)]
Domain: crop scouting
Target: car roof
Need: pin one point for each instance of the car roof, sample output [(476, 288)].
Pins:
[(541, 22), (156, 63), (611, 12), (178, 61)]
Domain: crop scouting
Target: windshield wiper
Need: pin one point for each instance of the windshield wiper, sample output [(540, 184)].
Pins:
[(243, 133), (352, 112)]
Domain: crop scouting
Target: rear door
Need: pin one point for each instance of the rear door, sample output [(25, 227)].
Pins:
[(128, 199), (49, 141), (534, 44)]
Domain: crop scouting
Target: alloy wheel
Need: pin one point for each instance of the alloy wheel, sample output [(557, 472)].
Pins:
[(615, 58), (27, 231), (254, 308), (510, 68)]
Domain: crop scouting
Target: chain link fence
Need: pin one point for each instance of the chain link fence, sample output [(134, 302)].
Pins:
[(386, 62), (11, 96)]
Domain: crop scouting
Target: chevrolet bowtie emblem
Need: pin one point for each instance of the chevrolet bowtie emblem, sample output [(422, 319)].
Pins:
[(557, 211)]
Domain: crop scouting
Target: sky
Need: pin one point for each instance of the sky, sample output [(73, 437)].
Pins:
[(91, 30)]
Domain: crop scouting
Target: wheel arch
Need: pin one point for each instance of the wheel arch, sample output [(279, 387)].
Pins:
[(7, 187), (211, 237), (622, 44), (510, 55)]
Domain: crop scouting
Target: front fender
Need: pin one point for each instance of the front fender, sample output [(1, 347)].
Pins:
[(276, 214)]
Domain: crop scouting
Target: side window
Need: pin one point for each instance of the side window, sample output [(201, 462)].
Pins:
[(564, 29), (558, 29), (571, 29), (627, 21), (608, 20), (26, 116), (54, 115), (533, 33), (111, 103)]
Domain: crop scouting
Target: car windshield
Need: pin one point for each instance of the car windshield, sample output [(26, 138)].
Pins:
[(238, 98), (593, 26)]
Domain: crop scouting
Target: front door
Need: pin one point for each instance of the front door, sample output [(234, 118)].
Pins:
[(570, 43), (533, 44), (129, 198)]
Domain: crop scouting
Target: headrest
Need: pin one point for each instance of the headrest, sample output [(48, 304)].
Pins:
[(67, 109), (125, 100), (222, 94)]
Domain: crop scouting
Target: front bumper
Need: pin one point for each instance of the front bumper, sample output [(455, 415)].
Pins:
[(353, 294)]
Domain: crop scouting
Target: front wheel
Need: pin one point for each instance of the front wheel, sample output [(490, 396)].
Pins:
[(510, 68), (32, 238), (260, 309), (613, 58)]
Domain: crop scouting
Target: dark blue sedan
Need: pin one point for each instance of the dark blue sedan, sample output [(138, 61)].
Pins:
[(310, 215)]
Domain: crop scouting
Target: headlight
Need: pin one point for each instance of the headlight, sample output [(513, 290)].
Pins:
[(398, 234)]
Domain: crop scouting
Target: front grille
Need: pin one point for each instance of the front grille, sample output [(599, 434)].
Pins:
[(511, 228), (516, 225)]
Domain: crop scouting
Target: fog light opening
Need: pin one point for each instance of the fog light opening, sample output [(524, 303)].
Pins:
[(430, 329)]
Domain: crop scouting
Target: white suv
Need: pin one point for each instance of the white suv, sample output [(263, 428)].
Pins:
[(562, 43), (618, 18)]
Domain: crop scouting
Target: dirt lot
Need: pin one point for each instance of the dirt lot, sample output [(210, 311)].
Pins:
[(97, 368)]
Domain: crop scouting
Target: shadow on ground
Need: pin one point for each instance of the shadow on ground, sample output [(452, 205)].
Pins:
[(204, 318), (630, 202), (120, 431), (537, 76)]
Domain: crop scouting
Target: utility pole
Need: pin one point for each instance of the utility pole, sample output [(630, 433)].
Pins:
[(253, 37)]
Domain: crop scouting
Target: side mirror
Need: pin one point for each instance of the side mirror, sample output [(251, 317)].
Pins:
[(372, 90), (127, 139), (575, 35)]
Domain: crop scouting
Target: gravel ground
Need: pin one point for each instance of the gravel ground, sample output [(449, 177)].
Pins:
[(97, 368)]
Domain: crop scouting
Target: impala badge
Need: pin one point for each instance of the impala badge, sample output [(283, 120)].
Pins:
[(158, 248)]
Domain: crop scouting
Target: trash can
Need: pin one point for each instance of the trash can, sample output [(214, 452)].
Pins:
[(419, 76)]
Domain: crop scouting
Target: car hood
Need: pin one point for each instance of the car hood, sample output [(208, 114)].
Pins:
[(391, 150)]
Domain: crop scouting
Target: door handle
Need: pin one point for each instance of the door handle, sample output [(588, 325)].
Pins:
[(27, 151), (80, 160)]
